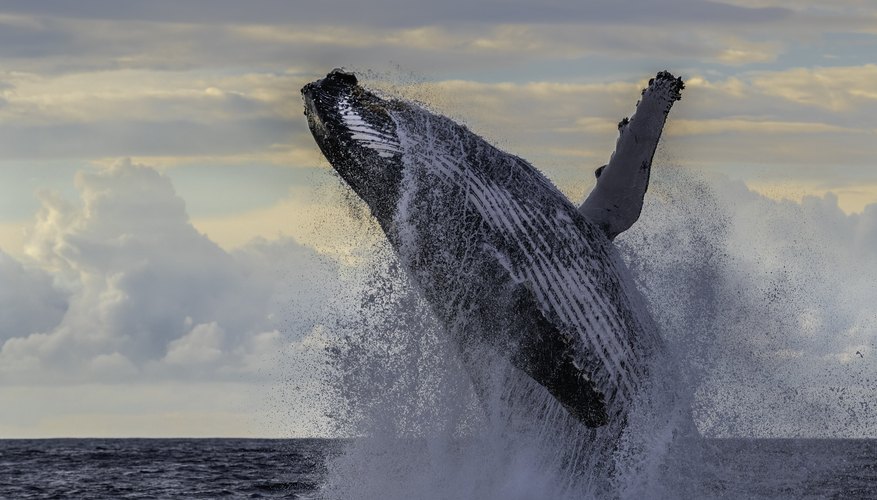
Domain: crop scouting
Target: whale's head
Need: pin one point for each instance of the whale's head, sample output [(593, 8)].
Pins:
[(355, 131)]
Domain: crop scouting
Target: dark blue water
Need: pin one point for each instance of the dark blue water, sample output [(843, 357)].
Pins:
[(789, 468), (163, 468), (256, 468)]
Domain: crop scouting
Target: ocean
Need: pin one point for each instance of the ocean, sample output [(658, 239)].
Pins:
[(297, 468), (163, 468)]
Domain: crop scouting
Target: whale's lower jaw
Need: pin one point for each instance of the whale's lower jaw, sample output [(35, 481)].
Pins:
[(504, 259)]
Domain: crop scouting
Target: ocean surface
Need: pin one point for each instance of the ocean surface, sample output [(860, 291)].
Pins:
[(256, 468), (163, 468)]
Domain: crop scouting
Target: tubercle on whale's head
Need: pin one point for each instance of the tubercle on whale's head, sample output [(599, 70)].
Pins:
[(357, 135)]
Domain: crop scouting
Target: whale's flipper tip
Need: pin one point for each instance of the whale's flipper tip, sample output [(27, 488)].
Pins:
[(670, 84)]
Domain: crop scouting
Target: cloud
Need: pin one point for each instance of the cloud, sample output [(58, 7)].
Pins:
[(140, 86), (126, 287), (384, 13), (172, 116), (203, 344), (853, 196), (724, 126), (839, 89), (738, 51), (28, 301), (178, 137), (428, 37), (146, 95), (326, 216)]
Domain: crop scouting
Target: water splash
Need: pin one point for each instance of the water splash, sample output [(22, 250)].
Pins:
[(733, 294), (399, 386)]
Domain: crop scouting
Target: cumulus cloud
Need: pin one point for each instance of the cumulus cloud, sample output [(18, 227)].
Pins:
[(203, 344), (28, 301), (124, 285)]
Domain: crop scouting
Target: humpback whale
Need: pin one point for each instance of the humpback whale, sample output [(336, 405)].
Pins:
[(508, 264)]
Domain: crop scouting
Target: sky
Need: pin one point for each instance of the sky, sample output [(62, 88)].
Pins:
[(170, 236)]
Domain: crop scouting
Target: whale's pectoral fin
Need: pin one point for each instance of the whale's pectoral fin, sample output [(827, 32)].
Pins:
[(616, 201)]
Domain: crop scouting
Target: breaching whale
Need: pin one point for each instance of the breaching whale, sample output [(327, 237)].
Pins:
[(507, 262)]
